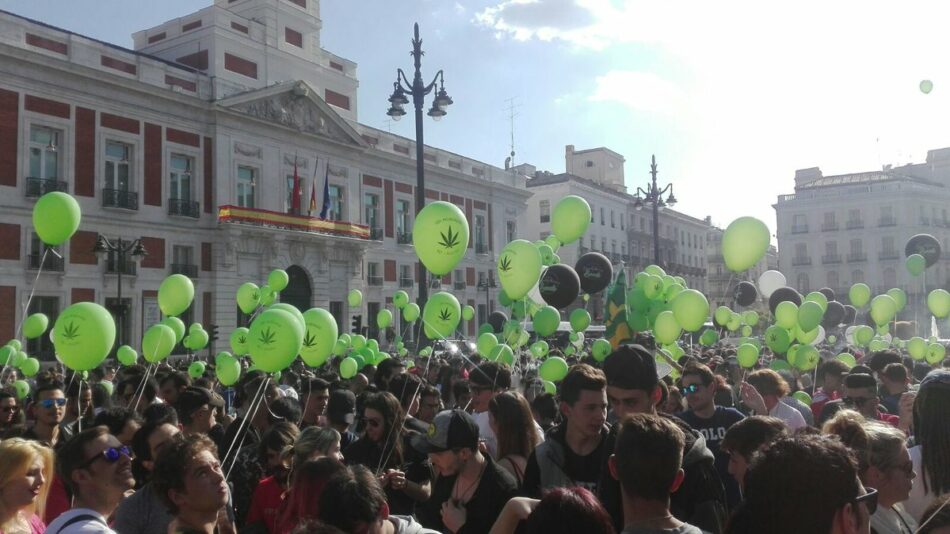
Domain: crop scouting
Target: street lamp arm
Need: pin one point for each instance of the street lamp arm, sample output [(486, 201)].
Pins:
[(403, 81), (668, 188), (438, 77)]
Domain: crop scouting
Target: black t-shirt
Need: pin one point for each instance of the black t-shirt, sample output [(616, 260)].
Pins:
[(495, 488), (414, 464), (713, 430), (582, 470)]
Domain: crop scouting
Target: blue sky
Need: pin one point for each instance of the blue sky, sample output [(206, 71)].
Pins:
[(732, 97)]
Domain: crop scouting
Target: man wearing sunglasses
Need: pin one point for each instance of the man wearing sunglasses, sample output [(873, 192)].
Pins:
[(698, 386), (97, 468), (48, 410), (860, 394)]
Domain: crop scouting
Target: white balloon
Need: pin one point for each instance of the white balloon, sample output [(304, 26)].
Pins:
[(849, 334), (769, 281), (820, 337)]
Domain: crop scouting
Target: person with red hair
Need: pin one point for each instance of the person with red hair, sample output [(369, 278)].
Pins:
[(303, 499)]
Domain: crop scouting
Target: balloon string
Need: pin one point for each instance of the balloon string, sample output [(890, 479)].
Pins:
[(244, 424), (140, 390), (26, 307)]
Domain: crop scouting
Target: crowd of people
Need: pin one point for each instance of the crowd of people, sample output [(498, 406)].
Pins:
[(453, 443)]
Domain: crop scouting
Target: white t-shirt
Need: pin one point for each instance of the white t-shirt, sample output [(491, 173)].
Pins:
[(94, 524), (919, 498), (486, 434), (793, 418)]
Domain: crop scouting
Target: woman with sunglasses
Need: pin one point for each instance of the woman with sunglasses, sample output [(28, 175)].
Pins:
[(385, 449), (883, 463), (11, 416), (26, 467)]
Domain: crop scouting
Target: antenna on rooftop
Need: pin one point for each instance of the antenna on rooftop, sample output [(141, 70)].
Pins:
[(512, 106)]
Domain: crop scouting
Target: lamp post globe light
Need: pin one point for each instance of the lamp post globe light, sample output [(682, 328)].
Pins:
[(122, 251), (418, 90), (653, 195)]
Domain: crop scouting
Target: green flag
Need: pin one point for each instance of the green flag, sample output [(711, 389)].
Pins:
[(617, 331)]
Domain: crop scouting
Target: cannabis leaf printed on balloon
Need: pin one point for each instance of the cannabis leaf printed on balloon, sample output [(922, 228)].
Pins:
[(242, 339), (505, 264), (449, 240), (71, 331), (309, 340), (267, 337), (445, 314)]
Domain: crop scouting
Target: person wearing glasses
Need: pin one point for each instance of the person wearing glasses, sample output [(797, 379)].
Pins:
[(804, 484), (26, 468), (48, 410), (11, 417), (932, 438), (860, 394), (698, 386), (884, 464), (97, 468)]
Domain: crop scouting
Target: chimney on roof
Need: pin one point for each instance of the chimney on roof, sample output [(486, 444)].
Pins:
[(806, 176)]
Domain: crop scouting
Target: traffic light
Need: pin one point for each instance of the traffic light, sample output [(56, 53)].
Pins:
[(214, 333), (357, 324)]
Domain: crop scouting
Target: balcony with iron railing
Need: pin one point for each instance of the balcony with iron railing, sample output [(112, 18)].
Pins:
[(406, 282), (854, 225), (801, 261), (37, 187), (376, 234), (114, 266), (857, 257), (481, 248), (800, 229), (404, 238), (51, 263), (884, 222), (120, 198), (829, 227), (374, 281), (888, 255), (183, 208), (459, 285), (187, 269), (830, 258)]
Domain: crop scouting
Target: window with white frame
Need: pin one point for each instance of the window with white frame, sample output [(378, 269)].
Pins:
[(336, 203), (118, 166), (371, 210), (480, 232), (179, 177), (402, 217), (182, 255), (246, 180), (544, 207), (44, 153)]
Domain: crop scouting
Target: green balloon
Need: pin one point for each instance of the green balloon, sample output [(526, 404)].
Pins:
[(126, 355), (847, 358), (832, 339), (734, 322), (22, 388), (926, 86), (84, 334), (56, 218), (553, 242), (440, 237), (275, 340), (411, 312), (485, 343), (468, 313), (744, 243), (198, 340), (175, 294), (779, 365), (601, 349), (358, 341), (30, 367), (747, 355), (809, 315), (519, 268), (936, 353), (546, 321), (384, 318), (709, 338), (15, 343), (637, 300), (570, 219), (917, 348), (268, 295), (239, 339), (807, 358), (547, 253), (549, 387), (786, 315), (666, 330), (938, 302), (899, 297), (859, 294), (6, 352), (883, 309), (278, 280), (580, 320), (227, 369), (746, 330), (339, 348), (248, 297), (373, 345), (750, 317), (354, 298), (690, 308), (722, 315), (348, 368), (915, 264), (319, 338), (441, 315), (35, 325), (777, 339), (502, 354), (157, 343), (806, 337), (653, 286), (863, 335), (655, 270), (818, 298), (802, 397), (196, 370), (400, 299), (675, 289), (539, 349), (177, 326), (553, 369), (18, 359)]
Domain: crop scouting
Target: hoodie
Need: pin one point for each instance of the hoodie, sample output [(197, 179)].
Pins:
[(700, 499)]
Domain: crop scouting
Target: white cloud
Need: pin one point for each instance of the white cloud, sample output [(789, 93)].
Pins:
[(643, 91)]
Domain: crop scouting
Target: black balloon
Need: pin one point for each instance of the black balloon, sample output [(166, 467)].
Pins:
[(834, 314), (559, 285), (595, 272), (926, 245), (828, 293), (781, 295), (850, 313), (497, 321), (745, 293)]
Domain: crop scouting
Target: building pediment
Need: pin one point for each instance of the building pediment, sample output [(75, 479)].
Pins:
[(295, 105)]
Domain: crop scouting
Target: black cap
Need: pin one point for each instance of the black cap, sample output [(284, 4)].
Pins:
[(450, 429), (194, 397), (341, 408)]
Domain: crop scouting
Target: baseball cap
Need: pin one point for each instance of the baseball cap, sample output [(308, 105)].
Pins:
[(194, 397), (341, 408), (450, 429), (634, 367)]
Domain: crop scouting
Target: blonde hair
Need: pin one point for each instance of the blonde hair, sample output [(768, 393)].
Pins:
[(16, 458)]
